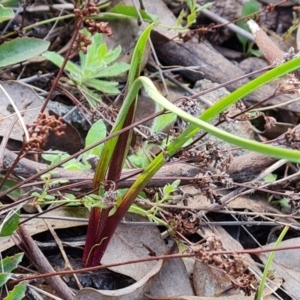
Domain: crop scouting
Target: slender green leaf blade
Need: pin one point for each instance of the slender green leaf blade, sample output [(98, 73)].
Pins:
[(137, 56), (21, 49), (130, 11), (249, 87), (134, 72), (276, 152), (18, 292)]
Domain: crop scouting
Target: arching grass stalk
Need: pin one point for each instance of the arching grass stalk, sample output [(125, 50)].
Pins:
[(101, 225), (261, 287)]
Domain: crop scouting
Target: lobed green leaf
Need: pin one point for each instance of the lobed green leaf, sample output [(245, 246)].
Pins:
[(113, 70), (9, 263), (18, 292), (108, 87)]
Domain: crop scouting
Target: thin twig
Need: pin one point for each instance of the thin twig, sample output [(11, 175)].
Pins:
[(42, 264)]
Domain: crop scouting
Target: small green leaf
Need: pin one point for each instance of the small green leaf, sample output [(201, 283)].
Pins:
[(191, 4), (270, 178), (5, 13), (162, 121), (113, 70), (243, 40), (9, 263), (256, 52), (130, 11), (21, 49), (180, 18), (96, 134), (55, 158), (282, 202), (7, 185), (175, 184), (112, 55), (108, 87), (168, 189), (10, 223), (95, 52), (18, 292), (140, 159), (250, 7), (191, 18)]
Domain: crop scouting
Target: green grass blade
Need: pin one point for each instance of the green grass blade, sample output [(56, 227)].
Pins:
[(134, 72), (261, 287), (269, 150), (249, 87)]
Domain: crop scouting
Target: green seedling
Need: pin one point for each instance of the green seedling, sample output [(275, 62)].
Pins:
[(151, 214), (98, 62), (191, 18), (283, 203), (249, 8)]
